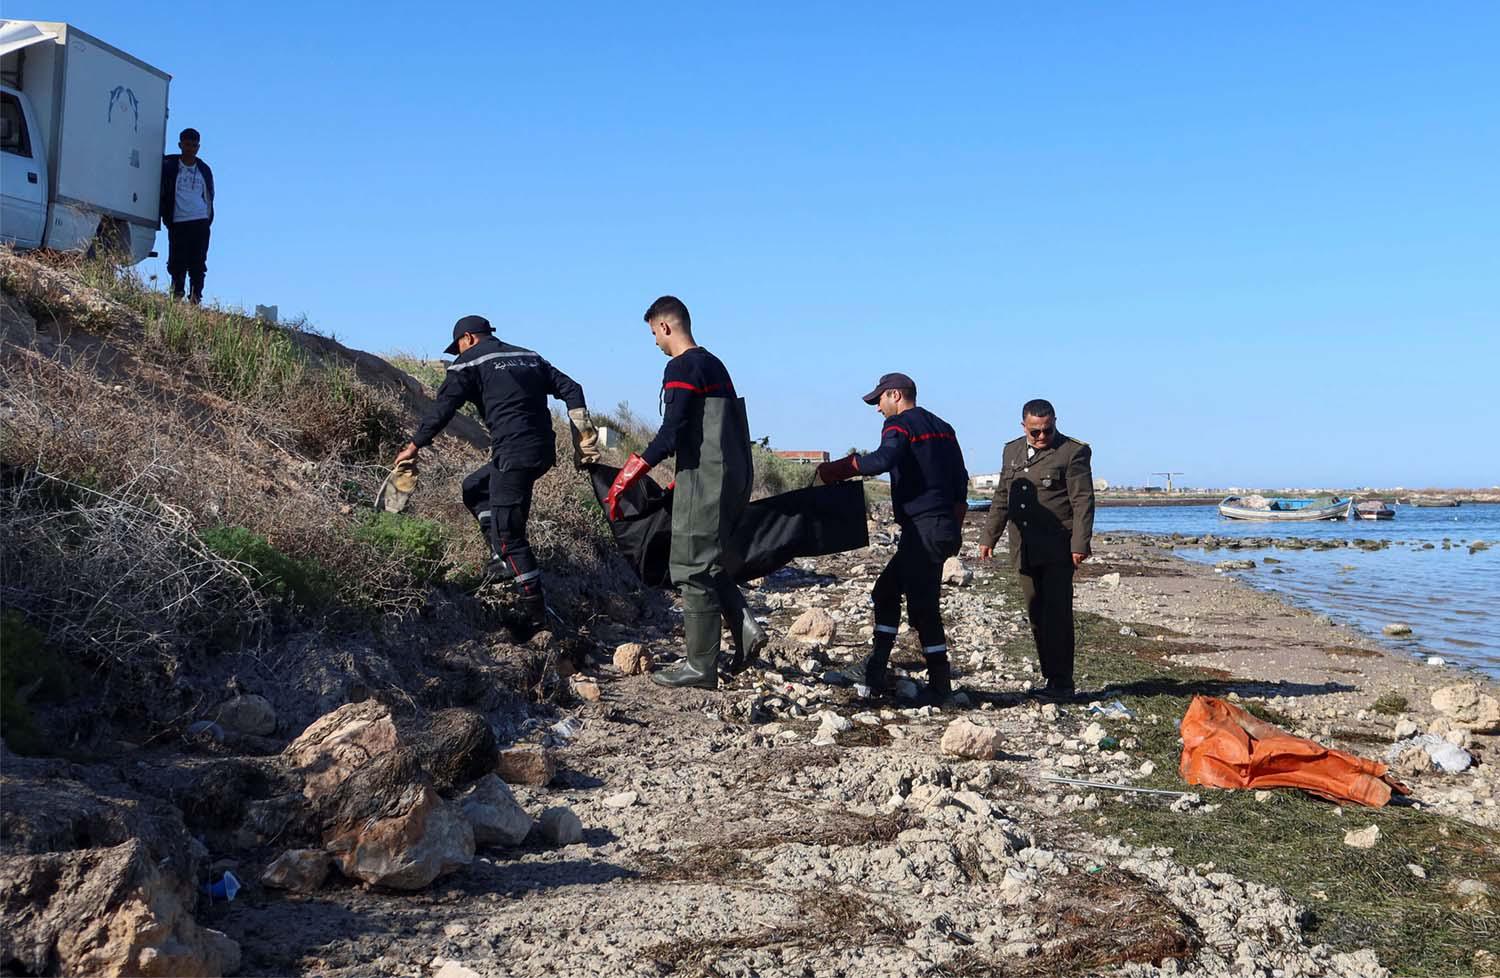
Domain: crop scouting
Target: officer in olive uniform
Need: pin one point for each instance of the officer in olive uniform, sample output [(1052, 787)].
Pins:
[(705, 427), (1046, 498)]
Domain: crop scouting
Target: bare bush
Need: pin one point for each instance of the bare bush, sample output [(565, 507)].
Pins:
[(117, 575)]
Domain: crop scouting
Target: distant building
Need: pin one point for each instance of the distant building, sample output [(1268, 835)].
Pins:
[(805, 458), (988, 481)]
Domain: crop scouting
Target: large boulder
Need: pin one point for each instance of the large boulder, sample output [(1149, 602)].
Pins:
[(388, 827), (526, 764), (1467, 706), (298, 870), (455, 747), (339, 743), (97, 880), (498, 819)]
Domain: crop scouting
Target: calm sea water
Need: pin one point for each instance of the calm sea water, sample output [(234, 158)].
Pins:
[(1450, 597)]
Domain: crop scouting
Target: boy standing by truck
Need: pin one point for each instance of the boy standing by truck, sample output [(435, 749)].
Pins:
[(187, 209)]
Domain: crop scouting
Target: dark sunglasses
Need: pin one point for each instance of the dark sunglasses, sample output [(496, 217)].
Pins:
[(1039, 432)]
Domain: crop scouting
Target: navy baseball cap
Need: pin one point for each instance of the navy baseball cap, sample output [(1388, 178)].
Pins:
[(468, 324), (891, 382)]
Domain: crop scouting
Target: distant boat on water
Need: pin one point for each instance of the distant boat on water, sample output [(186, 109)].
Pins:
[(1374, 509), (1266, 509)]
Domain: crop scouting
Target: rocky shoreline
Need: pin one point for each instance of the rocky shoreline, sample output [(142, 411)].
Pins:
[(784, 825)]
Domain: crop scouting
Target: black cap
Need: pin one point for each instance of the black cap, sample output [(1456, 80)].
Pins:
[(891, 382), (468, 324)]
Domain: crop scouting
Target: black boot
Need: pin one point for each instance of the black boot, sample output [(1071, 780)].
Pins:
[(749, 640), (873, 672), (939, 680), (179, 284)]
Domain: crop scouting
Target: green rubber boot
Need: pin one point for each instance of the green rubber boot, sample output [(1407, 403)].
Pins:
[(700, 668), (749, 640)]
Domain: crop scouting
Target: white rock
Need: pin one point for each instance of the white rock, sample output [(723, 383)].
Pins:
[(1111, 581), (452, 969), (622, 800), (498, 819), (1404, 728), (954, 572), (814, 625), (1148, 767), (1093, 734), (1416, 871), (1364, 838), (1466, 705), (560, 826), (1397, 628), (964, 738)]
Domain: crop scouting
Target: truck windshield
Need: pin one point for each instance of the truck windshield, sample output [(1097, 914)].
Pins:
[(13, 135)]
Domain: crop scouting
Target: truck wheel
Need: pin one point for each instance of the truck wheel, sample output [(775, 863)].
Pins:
[(112, 241)]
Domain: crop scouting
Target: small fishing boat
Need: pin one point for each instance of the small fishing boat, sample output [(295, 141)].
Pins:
[(1270, 510), (1374, 509)]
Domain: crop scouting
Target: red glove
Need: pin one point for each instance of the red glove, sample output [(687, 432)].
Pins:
[(837, 471), (635, 467)]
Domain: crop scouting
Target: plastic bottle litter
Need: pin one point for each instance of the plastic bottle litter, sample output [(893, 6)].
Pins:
[(564, 730), (1450, 758), (225, 889), (1113, 710)]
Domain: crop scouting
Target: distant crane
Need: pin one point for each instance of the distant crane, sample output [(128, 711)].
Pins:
[(1168, 476)]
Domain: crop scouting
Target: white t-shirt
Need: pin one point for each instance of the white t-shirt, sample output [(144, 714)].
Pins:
[(192, 195)]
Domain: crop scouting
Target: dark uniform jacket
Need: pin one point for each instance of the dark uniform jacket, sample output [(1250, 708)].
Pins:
[(1047, 501), (689, 379), (920, 451), (510, 386)]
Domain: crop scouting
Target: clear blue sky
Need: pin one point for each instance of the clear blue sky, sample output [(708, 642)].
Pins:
[(1256, 243)]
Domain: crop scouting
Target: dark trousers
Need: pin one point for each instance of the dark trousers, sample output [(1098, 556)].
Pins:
[(500, 500), (1048, 592), (916, 573), (187, 255)]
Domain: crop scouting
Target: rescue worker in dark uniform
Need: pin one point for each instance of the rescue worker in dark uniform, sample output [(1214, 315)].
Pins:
[(929, 492), (510, 387), (1046, 498), (704, 425)]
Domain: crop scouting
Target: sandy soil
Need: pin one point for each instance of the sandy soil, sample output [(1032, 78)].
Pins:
[(742, 832)]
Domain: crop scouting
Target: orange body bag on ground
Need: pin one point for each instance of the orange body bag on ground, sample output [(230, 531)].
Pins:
[(1223, 746)]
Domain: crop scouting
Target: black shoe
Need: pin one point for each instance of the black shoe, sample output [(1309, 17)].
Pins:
[(939, 681), (1056, 692), (872, 672)]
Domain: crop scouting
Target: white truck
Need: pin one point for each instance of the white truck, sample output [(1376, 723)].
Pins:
[(82, 130)]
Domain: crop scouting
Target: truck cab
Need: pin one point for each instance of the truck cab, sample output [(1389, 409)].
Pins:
[(23, 173)]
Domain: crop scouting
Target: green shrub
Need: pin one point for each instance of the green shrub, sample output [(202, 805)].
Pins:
[(29, 671), (417, 543), (1390, 704), (774, 474), (286, 578)]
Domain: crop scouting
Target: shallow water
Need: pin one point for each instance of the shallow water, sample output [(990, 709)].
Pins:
[(1450, 597)]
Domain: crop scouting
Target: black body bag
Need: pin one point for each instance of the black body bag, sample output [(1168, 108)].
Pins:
[(772, 532)]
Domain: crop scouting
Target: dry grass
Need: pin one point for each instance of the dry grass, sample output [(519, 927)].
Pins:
[(821, 919)]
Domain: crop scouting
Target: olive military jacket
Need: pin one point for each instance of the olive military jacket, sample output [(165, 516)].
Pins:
[(1046, 501)]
